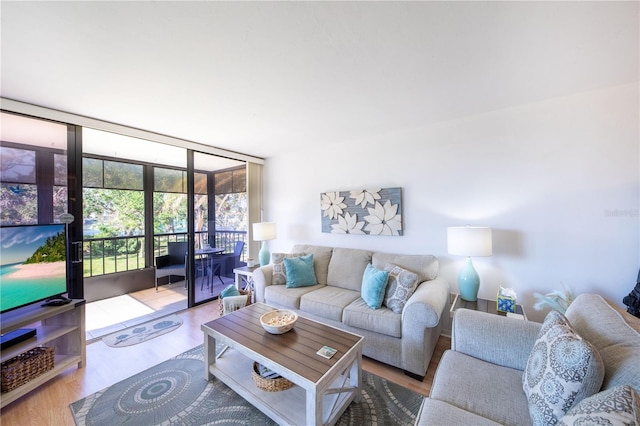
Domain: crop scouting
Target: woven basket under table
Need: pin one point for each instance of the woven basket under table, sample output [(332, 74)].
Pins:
[(269, 385), (27, 366)]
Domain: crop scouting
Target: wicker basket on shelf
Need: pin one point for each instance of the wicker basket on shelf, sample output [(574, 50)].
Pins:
[(270, 385), (242, 293), (27, 366)]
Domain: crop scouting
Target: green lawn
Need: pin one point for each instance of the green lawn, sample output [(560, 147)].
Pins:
[(109, 264)]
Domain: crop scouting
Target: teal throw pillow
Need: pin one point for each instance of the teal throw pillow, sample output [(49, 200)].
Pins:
[(279, 276), (300, 271), (230, 290), (374, 284)]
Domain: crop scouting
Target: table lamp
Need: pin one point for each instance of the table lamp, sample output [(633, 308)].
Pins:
[(469, 241), (264, 231)]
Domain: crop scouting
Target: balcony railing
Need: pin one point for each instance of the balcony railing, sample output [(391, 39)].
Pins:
[(113, 254), (118, 254)]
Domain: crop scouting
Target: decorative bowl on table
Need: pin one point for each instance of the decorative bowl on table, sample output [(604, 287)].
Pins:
[(279, 321)]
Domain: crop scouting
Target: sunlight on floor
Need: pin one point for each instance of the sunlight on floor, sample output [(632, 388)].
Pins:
[(111, 315), (107, 312)]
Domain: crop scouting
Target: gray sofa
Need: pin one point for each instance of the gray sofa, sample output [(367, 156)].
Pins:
[(405, 340), (480, 380)]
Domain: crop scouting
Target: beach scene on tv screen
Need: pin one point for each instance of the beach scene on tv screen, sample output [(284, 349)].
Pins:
[(33, 264)]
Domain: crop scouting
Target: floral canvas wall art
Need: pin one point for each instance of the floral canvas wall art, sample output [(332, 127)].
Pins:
[(362, 212)]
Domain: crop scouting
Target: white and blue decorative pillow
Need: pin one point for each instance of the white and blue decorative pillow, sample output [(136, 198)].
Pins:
[(374, 284), (561, 371), (279, 276), (616, 406), (300, 271), (402, 284), (553, 318)]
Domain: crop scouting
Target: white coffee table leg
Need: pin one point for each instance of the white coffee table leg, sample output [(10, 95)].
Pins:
[(355, 377), (209, 355), (314, 407)]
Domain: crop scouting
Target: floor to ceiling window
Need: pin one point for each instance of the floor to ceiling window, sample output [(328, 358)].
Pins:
[(113, 216), (135, 208)]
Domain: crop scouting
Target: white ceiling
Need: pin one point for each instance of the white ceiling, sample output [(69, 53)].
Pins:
[(262, 78)]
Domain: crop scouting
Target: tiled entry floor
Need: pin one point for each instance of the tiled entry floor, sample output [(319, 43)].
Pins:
[(107, 316)]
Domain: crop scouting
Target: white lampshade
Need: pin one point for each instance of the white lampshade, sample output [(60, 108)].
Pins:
[(469, 241), (264, 231)]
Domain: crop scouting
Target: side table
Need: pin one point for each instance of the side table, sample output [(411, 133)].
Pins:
[(245, 273), (483, 305)]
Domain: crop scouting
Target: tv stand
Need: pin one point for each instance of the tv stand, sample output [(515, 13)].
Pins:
[(62, 327)]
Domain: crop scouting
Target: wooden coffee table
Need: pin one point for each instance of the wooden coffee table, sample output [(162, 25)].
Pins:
[(325, 387)]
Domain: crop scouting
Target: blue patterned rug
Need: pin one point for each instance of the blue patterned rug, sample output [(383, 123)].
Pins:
[(176, 393), (143, 332)]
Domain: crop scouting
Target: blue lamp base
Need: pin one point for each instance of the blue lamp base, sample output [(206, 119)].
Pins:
[(264, 255), (468, 282)]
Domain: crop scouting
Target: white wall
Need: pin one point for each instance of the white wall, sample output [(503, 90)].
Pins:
[(557, 180)]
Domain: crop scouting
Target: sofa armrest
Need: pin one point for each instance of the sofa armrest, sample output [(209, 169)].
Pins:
[(262, 277), (421, 325), (426, 304), (494, 338)]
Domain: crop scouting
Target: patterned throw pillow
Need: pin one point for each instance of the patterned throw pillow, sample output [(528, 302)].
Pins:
[(553, 318), (402, 284), (277, 260), (561, 371), (616, 406)]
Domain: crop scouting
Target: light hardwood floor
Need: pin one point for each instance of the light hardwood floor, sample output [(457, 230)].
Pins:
[(49, 404)]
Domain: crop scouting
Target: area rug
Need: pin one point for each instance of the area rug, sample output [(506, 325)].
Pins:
[(176, 393), (143, 332)]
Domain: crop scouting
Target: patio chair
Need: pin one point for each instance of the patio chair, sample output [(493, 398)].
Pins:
[(209, 266), (237, 253), (225, 263), (173, 263)]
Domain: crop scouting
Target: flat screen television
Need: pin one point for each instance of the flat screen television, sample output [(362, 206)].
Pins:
[(32, 264)]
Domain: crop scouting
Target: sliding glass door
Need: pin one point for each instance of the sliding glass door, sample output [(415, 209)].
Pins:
[(220, 226)]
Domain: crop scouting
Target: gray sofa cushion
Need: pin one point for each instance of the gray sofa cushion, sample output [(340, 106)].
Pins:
[(321, 258), (486, 389), (382, 320), (482, 336), (287, 297), (594, 319), (328, 302), (434, 412), (426, 266), (347, 267)]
